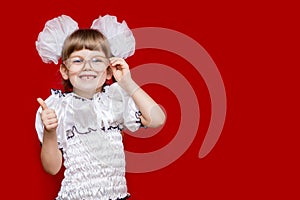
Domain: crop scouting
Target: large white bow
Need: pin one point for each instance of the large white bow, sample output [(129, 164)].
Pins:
[(50, 41)]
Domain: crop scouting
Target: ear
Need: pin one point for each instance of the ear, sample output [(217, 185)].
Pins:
[(64, 72), (109, 73)]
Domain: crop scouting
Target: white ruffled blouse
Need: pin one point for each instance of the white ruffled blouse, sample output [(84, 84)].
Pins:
[(89, 136)]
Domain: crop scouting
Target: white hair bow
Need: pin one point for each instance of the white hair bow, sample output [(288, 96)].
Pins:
[(50, 40)]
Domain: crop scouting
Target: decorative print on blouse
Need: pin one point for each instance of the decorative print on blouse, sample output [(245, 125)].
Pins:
[(58, 92), (71, 132)]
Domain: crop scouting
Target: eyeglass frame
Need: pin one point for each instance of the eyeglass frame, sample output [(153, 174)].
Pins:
[(83, 62)]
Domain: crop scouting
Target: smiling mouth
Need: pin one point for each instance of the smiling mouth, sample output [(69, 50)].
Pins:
[(87, 77)]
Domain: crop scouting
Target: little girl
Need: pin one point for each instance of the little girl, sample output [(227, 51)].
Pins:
[(81, 127)]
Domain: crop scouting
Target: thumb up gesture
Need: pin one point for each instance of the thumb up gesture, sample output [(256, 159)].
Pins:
[(48, 117)]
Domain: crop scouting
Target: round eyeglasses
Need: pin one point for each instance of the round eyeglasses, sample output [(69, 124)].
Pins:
[(98, 63)]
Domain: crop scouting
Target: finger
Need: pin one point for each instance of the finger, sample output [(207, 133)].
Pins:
[(51, 121), (42, 103), (115, 64), (112, 59), (113, 68), (49, 114), (117, 61), (51, 126)]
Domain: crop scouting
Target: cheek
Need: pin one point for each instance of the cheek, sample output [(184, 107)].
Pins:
[(73, 77), (73, 73), (102, 78)]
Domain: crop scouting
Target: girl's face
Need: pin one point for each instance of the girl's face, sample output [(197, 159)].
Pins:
[(87, 71)]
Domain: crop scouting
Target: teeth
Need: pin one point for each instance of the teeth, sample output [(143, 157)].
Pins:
[(86, 77)]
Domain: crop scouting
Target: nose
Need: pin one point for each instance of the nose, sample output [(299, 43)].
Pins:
[(87, 65)]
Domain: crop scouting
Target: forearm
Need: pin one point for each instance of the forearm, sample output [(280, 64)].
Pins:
[(152, 114), (51, 156)]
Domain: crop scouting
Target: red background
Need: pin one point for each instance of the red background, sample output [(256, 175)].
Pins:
[(255, 45)]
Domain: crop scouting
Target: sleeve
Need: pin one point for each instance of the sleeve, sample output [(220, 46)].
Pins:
[(52, 102), (124, 108)]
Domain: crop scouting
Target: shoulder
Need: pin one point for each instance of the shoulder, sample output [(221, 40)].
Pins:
[(57, 93), (114, 91), (56, 98)]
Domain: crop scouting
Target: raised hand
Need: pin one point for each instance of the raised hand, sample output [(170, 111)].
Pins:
[(48, 116), (121, 72), (119, 68)]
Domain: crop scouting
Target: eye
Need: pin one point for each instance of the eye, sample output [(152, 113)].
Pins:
[(76, 61), (98, 60)]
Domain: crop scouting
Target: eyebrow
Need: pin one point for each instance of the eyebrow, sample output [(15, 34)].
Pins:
[(88, 56)]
